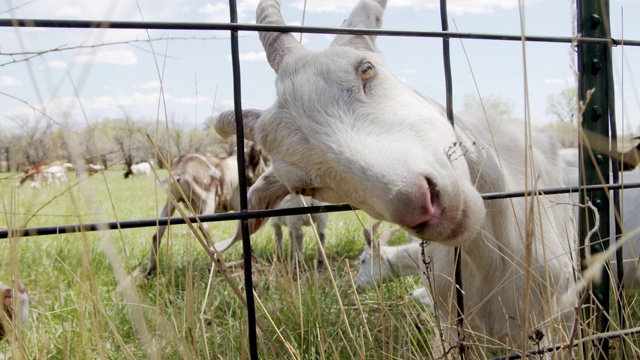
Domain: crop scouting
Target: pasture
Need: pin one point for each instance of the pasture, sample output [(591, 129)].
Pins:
[(186, 310)]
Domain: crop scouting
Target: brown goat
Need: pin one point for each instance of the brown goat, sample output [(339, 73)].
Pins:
[(12, 303), (209, 185), (630, 159)]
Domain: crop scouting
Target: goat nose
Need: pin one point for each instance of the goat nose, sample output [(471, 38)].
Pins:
[(421, 209)]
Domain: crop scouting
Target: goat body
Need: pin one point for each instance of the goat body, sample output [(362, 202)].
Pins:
[(296, 222), (143, 168), (206, 184), (53, 171), (15, 301), (630, 207), (344, 129), (379, 262)]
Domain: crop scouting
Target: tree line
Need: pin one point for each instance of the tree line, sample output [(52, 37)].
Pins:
[(108, 142)]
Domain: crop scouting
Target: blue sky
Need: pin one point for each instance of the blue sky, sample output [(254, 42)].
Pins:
[(121, 76)]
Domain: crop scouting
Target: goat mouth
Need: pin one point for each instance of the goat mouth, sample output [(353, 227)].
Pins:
[(442, 229)]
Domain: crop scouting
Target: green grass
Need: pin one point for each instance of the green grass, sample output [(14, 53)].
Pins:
[(187, 310)]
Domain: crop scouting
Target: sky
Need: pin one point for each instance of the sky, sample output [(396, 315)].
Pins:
[(95, 74)]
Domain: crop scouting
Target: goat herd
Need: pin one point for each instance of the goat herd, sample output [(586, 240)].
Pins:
[(344, 129)]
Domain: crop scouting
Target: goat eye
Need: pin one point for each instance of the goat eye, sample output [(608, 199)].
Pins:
[(366, 71), (305, 191)]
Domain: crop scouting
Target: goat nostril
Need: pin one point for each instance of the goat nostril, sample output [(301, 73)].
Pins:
[(433, 189)]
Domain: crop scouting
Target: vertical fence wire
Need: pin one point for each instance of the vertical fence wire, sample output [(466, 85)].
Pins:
[(446, 54), (244, 223), (617, 207)]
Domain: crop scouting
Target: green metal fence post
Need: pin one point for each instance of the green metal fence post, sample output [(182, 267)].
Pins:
[(593, 21)]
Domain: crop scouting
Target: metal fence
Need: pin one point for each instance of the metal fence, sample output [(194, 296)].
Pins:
[(595, 66)]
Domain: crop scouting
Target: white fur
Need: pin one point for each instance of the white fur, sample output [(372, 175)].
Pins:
[(380, 262), (630, 207), (569, 156), (346, 130), (143, 168), (56, 173), (296, 222)]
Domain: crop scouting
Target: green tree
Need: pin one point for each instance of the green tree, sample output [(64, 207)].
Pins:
[(563, 107)]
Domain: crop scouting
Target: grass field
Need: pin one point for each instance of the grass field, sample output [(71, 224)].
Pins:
[(186, 310)]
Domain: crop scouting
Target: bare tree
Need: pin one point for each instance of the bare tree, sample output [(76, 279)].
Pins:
[(129, 137), (32, 141), (494, 107), (563, 106)]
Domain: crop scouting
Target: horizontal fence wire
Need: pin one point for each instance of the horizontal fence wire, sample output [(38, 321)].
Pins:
[(151, 25), (557, 347), (254, 214)]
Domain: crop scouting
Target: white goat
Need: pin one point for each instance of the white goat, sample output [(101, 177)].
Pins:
[(344, 129), (56, 173), (380, 262), (143, 168), (295, 224), (209, 185)]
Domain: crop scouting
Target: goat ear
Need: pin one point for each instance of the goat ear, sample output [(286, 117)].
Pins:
[(265, 194), (367, 237), (7, 298), (367, 14), (375, 227), (225, 123), (20, 286)]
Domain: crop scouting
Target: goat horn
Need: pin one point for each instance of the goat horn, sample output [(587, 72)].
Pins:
[(276, 45), (386, 236), (225, 123), (366, 14)]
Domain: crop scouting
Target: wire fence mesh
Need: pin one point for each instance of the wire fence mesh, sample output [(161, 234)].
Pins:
[(234, 28)]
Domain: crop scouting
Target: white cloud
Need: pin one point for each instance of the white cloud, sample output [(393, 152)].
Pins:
[(561, 80), (456, 7), (57, 64), (219, 11), (77, 9), (123, 100), (154, 84), (10, 81), (119, 57), (191, 100), (251, 56)]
